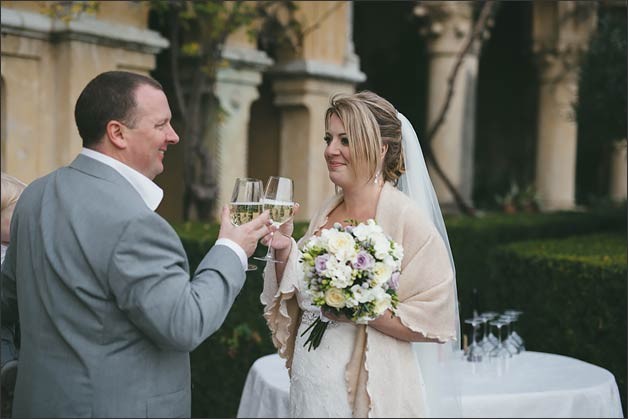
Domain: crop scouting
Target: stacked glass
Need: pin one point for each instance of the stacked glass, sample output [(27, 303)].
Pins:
[(486, 346)]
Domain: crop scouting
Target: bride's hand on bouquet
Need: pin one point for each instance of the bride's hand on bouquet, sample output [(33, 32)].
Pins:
[(329, 314)]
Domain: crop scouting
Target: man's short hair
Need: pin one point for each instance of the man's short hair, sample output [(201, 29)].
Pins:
[(109, 96)]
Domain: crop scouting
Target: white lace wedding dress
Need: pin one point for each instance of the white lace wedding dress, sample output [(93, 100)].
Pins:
[(318, 387)]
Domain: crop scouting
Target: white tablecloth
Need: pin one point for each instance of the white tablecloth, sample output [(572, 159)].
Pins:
[(533, 384)]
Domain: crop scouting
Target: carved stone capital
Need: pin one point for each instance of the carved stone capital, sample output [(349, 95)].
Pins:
[(561, 32), (444, 25), (555, 66)]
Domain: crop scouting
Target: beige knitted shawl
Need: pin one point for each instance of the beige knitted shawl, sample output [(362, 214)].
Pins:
[(383, 377)]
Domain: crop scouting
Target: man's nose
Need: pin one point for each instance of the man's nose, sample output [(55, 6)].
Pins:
[(172, 136)]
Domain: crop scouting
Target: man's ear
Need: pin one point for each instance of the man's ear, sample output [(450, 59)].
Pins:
[(115, 134)]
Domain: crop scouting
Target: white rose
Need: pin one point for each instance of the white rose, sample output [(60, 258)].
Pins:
[(382, 303), (381, 245), (362, 295), (312, 243), (342, 245), (338, 272), (317, 294), (373, 225), (360, 232), (397, 251), (351, 302), (381, 273), (390, 262)]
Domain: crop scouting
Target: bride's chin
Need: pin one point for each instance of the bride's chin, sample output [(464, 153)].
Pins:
[(336, 180)]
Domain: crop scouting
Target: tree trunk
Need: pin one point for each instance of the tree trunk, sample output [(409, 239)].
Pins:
[(476, 35)]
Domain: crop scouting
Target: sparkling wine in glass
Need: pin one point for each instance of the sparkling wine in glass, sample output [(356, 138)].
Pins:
[(246, 203), (278, 199)]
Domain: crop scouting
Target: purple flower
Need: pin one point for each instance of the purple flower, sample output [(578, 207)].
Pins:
[(363, 260), (321, 263), (393, 282)]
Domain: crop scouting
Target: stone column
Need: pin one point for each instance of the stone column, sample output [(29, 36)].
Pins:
[(448, 25), (302, 92), (556, 136), (619, 171), (236, 89), (561, 31)]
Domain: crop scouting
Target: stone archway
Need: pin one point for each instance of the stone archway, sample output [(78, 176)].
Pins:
[(263, 135)]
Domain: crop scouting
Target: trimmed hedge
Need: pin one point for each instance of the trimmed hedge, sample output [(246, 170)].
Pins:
[(472, 239), (573, 295), (220, 364)]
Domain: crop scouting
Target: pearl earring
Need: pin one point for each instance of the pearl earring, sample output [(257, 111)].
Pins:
[(375, 181)]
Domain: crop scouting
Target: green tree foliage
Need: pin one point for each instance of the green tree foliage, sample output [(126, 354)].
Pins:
[(68, 10), (197, 31)]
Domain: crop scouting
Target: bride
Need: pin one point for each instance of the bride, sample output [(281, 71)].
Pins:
[(395, 366)]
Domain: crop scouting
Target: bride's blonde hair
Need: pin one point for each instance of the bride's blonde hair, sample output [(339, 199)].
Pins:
[(370, 121)]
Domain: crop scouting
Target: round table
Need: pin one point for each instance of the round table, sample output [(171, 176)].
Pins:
[(532, 384)]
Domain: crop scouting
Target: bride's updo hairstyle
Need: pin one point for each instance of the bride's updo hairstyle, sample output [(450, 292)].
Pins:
[(369, 122)]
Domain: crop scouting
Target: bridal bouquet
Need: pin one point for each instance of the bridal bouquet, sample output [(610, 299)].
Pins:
[(353, 271)]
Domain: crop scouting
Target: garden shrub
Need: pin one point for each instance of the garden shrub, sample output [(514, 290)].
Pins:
[(573, 295), (472, 239)]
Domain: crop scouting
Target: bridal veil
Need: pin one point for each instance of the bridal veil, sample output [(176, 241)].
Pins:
[(436, 361)]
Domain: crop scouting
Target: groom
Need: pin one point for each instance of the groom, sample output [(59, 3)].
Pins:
[(107, 309)]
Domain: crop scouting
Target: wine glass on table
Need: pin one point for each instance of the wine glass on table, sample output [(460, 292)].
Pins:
[(278, 199), (488, 341), (515, 336), (246, 203), (474, 352)]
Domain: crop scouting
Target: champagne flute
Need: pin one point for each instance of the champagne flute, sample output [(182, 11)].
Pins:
[(246, 203), (278, 200)]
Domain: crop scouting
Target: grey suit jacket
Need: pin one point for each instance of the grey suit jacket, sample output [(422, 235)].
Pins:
[(107, 309)]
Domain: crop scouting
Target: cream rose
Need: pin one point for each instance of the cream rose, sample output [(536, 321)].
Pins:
[(341, 245), (335, 298)]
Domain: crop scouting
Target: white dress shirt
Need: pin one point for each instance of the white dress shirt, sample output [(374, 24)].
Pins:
[(3, 251), (152, 194)]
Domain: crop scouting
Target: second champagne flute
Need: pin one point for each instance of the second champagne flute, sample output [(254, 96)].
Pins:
[(246, 203), (278, 200)]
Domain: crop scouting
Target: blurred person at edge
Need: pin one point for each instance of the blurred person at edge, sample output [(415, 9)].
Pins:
[(108, 310), (10, 190)]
